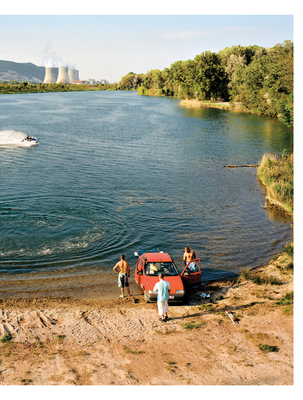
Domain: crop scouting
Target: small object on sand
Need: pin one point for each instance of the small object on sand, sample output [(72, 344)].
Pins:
[(204, 295), (229, 313)]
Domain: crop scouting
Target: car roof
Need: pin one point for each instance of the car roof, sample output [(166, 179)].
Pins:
[(157, 257)]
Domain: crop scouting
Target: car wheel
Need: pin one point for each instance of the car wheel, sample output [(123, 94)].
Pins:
[(146, 297)]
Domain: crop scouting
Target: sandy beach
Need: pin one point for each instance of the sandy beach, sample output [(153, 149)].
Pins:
[(67, 341)]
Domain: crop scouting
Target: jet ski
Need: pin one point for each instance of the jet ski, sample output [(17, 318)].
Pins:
[(29, 140)]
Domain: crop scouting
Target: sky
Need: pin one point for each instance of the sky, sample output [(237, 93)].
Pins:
[(109, 46)]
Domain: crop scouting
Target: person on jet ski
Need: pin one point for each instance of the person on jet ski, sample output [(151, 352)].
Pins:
[(28, 138)]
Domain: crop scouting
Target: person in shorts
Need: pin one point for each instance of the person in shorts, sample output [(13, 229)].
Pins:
[(163, 288), (188, 256), (124, 273)]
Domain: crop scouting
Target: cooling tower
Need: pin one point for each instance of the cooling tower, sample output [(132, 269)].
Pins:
[(50, 75), (72, 75), (77, 75), (63, 75)]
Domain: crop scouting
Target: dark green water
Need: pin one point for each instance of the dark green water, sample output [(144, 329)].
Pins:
[(116, 172)]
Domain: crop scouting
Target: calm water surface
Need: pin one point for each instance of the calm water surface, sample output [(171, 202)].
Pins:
[(117, 172)]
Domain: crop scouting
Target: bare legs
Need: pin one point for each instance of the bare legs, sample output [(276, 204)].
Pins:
[(122, 292)]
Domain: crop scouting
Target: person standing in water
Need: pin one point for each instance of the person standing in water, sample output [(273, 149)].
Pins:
[(124, 273)]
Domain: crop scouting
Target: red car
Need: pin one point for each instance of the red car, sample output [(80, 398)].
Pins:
[(148, 267)]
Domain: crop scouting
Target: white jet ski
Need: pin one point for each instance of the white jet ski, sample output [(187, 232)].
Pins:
[(29, 141)]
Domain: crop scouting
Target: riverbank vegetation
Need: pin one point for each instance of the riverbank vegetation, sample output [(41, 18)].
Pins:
[(252, 78), (276, 173), (26, 87)]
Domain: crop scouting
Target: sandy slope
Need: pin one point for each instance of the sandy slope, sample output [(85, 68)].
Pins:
[(63, 341)]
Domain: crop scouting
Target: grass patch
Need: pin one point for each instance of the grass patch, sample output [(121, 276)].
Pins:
[(264, 280), (258, 279), (287, 302), (60, 338), (287, 299), (129, 375), (81, 353), (26, 381), (289, 249), (193, 325), (265, 348), (166, 332), (288, 310), (6, 339), (244, 274), (205, 307), (127, 350), (257, 336), (290, 267)]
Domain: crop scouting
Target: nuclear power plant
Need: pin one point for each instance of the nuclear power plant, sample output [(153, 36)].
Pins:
[(65, 75), (50, 75), (73, 75)]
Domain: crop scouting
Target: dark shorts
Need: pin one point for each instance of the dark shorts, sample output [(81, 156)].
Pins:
[(122, 280)]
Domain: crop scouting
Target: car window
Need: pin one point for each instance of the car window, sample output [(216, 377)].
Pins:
[(166, 268)]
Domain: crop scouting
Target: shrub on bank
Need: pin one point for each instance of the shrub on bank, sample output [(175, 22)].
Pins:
[(276, 173)]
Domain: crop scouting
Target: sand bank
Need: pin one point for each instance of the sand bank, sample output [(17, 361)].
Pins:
[(67, 341)]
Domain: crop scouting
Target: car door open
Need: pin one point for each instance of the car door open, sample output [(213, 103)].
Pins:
[(191, 275)]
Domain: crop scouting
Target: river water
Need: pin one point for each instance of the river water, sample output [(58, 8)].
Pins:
[(115, 173)]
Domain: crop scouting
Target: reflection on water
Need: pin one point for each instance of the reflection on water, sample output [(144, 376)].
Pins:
[(116, 172)]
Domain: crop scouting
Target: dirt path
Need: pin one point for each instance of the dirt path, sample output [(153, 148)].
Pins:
[(63, 341)]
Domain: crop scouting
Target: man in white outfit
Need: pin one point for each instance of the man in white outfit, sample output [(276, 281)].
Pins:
[(163, 288)]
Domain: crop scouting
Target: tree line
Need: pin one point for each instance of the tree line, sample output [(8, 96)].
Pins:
[(28, 87), (257, 79)]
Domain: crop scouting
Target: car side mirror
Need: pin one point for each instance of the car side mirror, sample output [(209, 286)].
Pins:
[(140, 272)]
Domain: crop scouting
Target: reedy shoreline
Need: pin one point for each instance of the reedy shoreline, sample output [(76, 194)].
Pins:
[(276, 173)]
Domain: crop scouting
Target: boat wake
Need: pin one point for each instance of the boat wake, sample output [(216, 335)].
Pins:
[(11, 138)]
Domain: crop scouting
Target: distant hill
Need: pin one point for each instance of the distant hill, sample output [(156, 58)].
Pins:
[(12, 71)]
